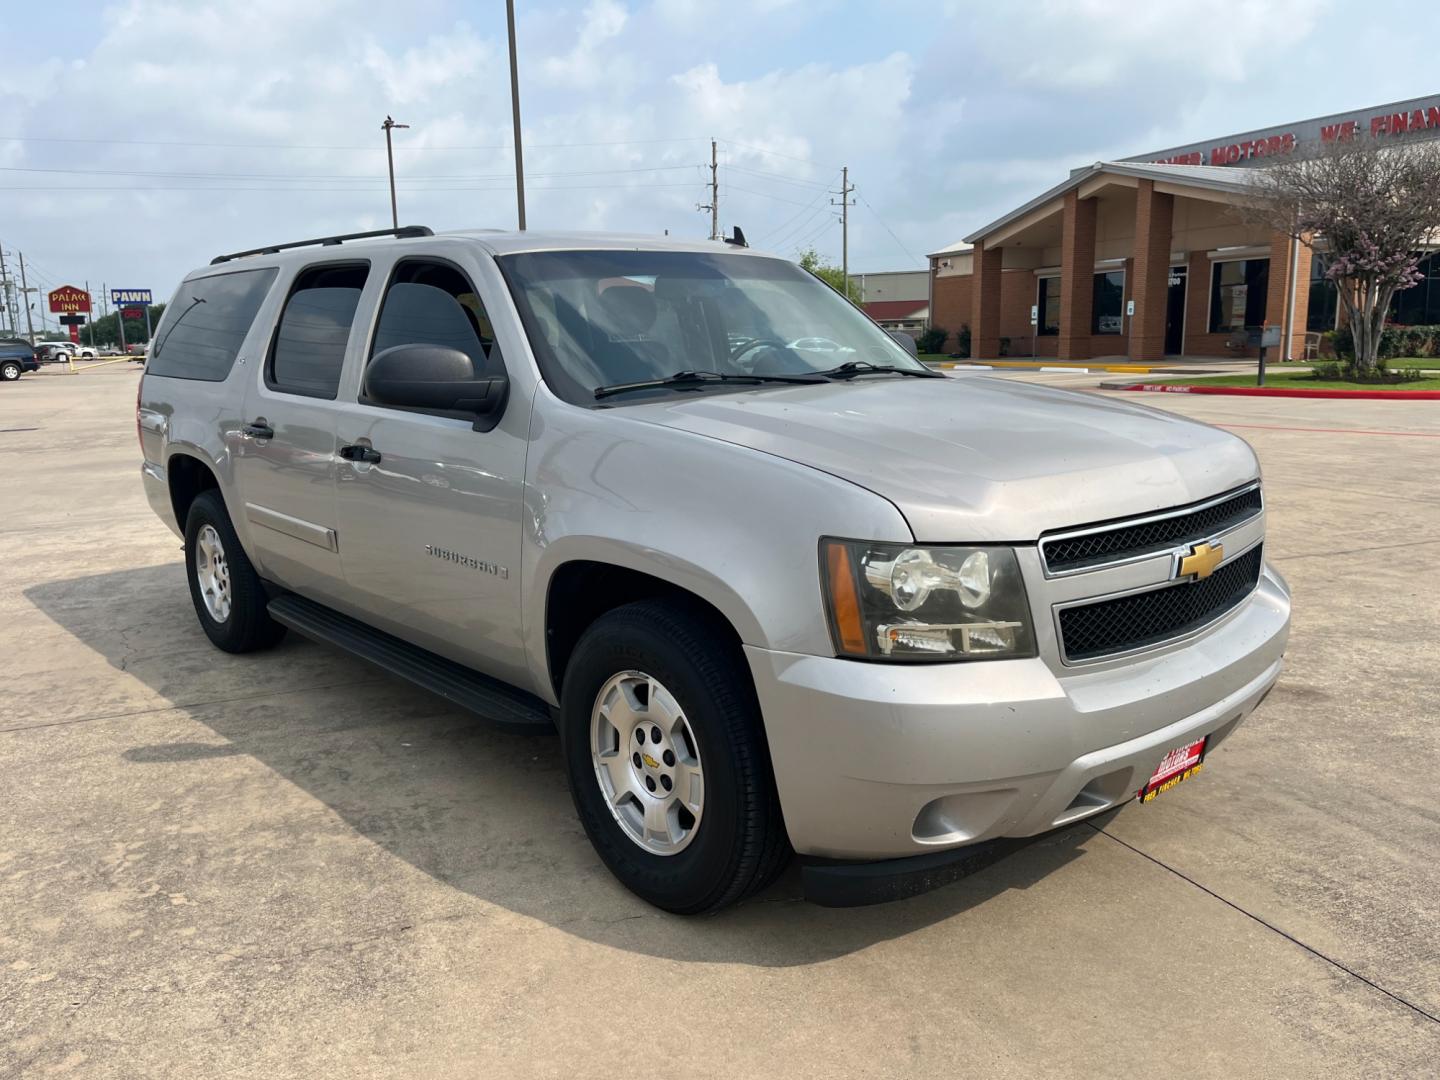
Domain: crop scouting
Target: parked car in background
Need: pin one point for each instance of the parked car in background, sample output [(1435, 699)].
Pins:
[(16, 357), (54, 352), (775, 595)]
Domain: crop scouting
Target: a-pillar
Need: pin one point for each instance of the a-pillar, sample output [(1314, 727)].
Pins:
[(1077, 277), (985, 303), (1154, 214)]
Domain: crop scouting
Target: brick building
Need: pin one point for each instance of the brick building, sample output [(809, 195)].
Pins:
[(1148, 257)]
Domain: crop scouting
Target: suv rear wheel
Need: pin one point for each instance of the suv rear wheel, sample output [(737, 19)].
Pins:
[(229, 597), (10, 370), (667, 758)]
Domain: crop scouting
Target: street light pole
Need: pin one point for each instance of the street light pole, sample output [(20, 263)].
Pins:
[(515, 111), (387, 127)]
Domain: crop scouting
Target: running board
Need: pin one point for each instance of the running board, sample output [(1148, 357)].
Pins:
[(504, 706)]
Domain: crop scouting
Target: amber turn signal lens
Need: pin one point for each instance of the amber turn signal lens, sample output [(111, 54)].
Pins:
[(844, 600)]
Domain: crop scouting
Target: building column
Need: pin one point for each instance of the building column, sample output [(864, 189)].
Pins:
[(1077, 277), (985, 303), (1277, 299), (1197, 305), (1154, 213)]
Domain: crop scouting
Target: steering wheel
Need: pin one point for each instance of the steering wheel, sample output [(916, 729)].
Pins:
[(750, 346)]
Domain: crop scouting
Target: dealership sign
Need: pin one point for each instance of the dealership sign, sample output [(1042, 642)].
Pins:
[(1418, 118), (127, 297), (68, 300)]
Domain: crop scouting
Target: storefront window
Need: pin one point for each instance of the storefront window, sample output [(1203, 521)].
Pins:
[(1109, 303), (1237, 294), (1049, 305), (1324, 299), (1419, 305)]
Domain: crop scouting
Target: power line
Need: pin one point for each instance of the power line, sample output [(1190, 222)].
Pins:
[(782, 178), (347, 177), (765, 194), (319, 146), (785, 226), (499, 186), (776, 153), (901, 243)]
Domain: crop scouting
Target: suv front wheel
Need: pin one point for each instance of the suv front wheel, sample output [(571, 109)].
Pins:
[(10, 370), (229, 598), (667, 758)]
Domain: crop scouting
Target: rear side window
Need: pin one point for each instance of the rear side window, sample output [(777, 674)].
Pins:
[(205, 324), (309, 347)]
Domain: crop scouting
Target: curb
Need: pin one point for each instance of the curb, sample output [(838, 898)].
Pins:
[(1043, 364), (1277, 391)]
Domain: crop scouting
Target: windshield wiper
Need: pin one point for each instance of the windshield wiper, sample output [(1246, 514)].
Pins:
[(851, 368), (703, 378)]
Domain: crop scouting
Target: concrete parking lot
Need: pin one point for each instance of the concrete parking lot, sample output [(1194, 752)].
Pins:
[(289, 865)]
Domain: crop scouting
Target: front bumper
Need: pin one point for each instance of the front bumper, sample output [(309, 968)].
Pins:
[(885, 761)]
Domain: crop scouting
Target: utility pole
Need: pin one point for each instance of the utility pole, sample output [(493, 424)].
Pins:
[(5, 294), (845, 189), (515, 115), (714, 204), (388, 126), (25, 299)]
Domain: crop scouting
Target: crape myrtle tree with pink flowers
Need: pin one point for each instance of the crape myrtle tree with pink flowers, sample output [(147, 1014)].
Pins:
[(1366, 211)]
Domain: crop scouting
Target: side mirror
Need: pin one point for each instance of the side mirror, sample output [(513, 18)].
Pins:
[(435, 378), (906, 342)]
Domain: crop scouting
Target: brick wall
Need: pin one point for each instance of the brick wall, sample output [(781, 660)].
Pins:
[(950, 305)]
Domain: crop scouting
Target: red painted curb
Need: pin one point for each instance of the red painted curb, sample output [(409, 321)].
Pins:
[(1280, 391)]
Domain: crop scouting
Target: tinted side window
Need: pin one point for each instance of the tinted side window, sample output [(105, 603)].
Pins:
[(205, 324), (432, 303), (309, 348)]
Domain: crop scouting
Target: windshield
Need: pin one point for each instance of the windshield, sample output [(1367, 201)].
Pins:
[(604, 318)]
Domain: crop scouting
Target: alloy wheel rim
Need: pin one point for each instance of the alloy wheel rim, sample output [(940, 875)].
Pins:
[(647, 763), (212, 573)]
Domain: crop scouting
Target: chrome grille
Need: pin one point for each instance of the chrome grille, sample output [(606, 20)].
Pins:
[(1100, 545), (1090, 631)]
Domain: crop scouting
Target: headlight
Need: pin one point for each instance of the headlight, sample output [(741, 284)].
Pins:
[(903, 602)]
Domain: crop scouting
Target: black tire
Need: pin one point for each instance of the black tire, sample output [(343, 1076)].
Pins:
[(740, 845), (10, 370), (248, 626)]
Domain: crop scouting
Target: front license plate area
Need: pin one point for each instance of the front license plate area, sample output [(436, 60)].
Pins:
[(1179, 765)]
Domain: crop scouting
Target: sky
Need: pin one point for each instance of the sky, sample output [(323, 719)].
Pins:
[(140, 138)]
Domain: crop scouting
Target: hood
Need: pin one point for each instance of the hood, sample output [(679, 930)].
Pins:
[(972, 458)]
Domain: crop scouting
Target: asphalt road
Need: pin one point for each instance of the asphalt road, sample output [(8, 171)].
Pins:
[(288, 865)]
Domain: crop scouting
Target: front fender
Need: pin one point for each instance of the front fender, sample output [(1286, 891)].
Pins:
[(737, 527)]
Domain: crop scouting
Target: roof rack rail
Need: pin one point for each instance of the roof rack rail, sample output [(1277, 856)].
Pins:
[(404, 232)]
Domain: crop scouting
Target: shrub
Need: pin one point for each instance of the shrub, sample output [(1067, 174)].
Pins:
[(962, 341), (1395, 341), (932, 340)]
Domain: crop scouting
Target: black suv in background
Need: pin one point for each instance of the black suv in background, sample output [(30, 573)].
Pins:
[(16, 357)]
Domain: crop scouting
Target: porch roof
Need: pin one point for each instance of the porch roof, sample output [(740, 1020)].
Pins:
[(1205, 177)]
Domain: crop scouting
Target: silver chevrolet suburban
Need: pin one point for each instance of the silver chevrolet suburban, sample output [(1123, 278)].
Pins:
[(780, 586)]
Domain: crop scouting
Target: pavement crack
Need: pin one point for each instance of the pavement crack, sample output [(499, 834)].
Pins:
[(1272, 927)]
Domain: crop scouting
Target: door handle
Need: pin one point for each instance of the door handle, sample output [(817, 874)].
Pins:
[(367, 454), (259, 430)]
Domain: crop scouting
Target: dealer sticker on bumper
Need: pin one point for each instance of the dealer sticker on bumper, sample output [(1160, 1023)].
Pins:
[(1179, 765)]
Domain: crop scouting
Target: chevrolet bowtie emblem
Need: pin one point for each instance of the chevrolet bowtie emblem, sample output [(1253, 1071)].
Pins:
[(1201, 562)]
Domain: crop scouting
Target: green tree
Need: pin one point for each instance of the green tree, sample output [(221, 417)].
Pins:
[(810, 259)]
